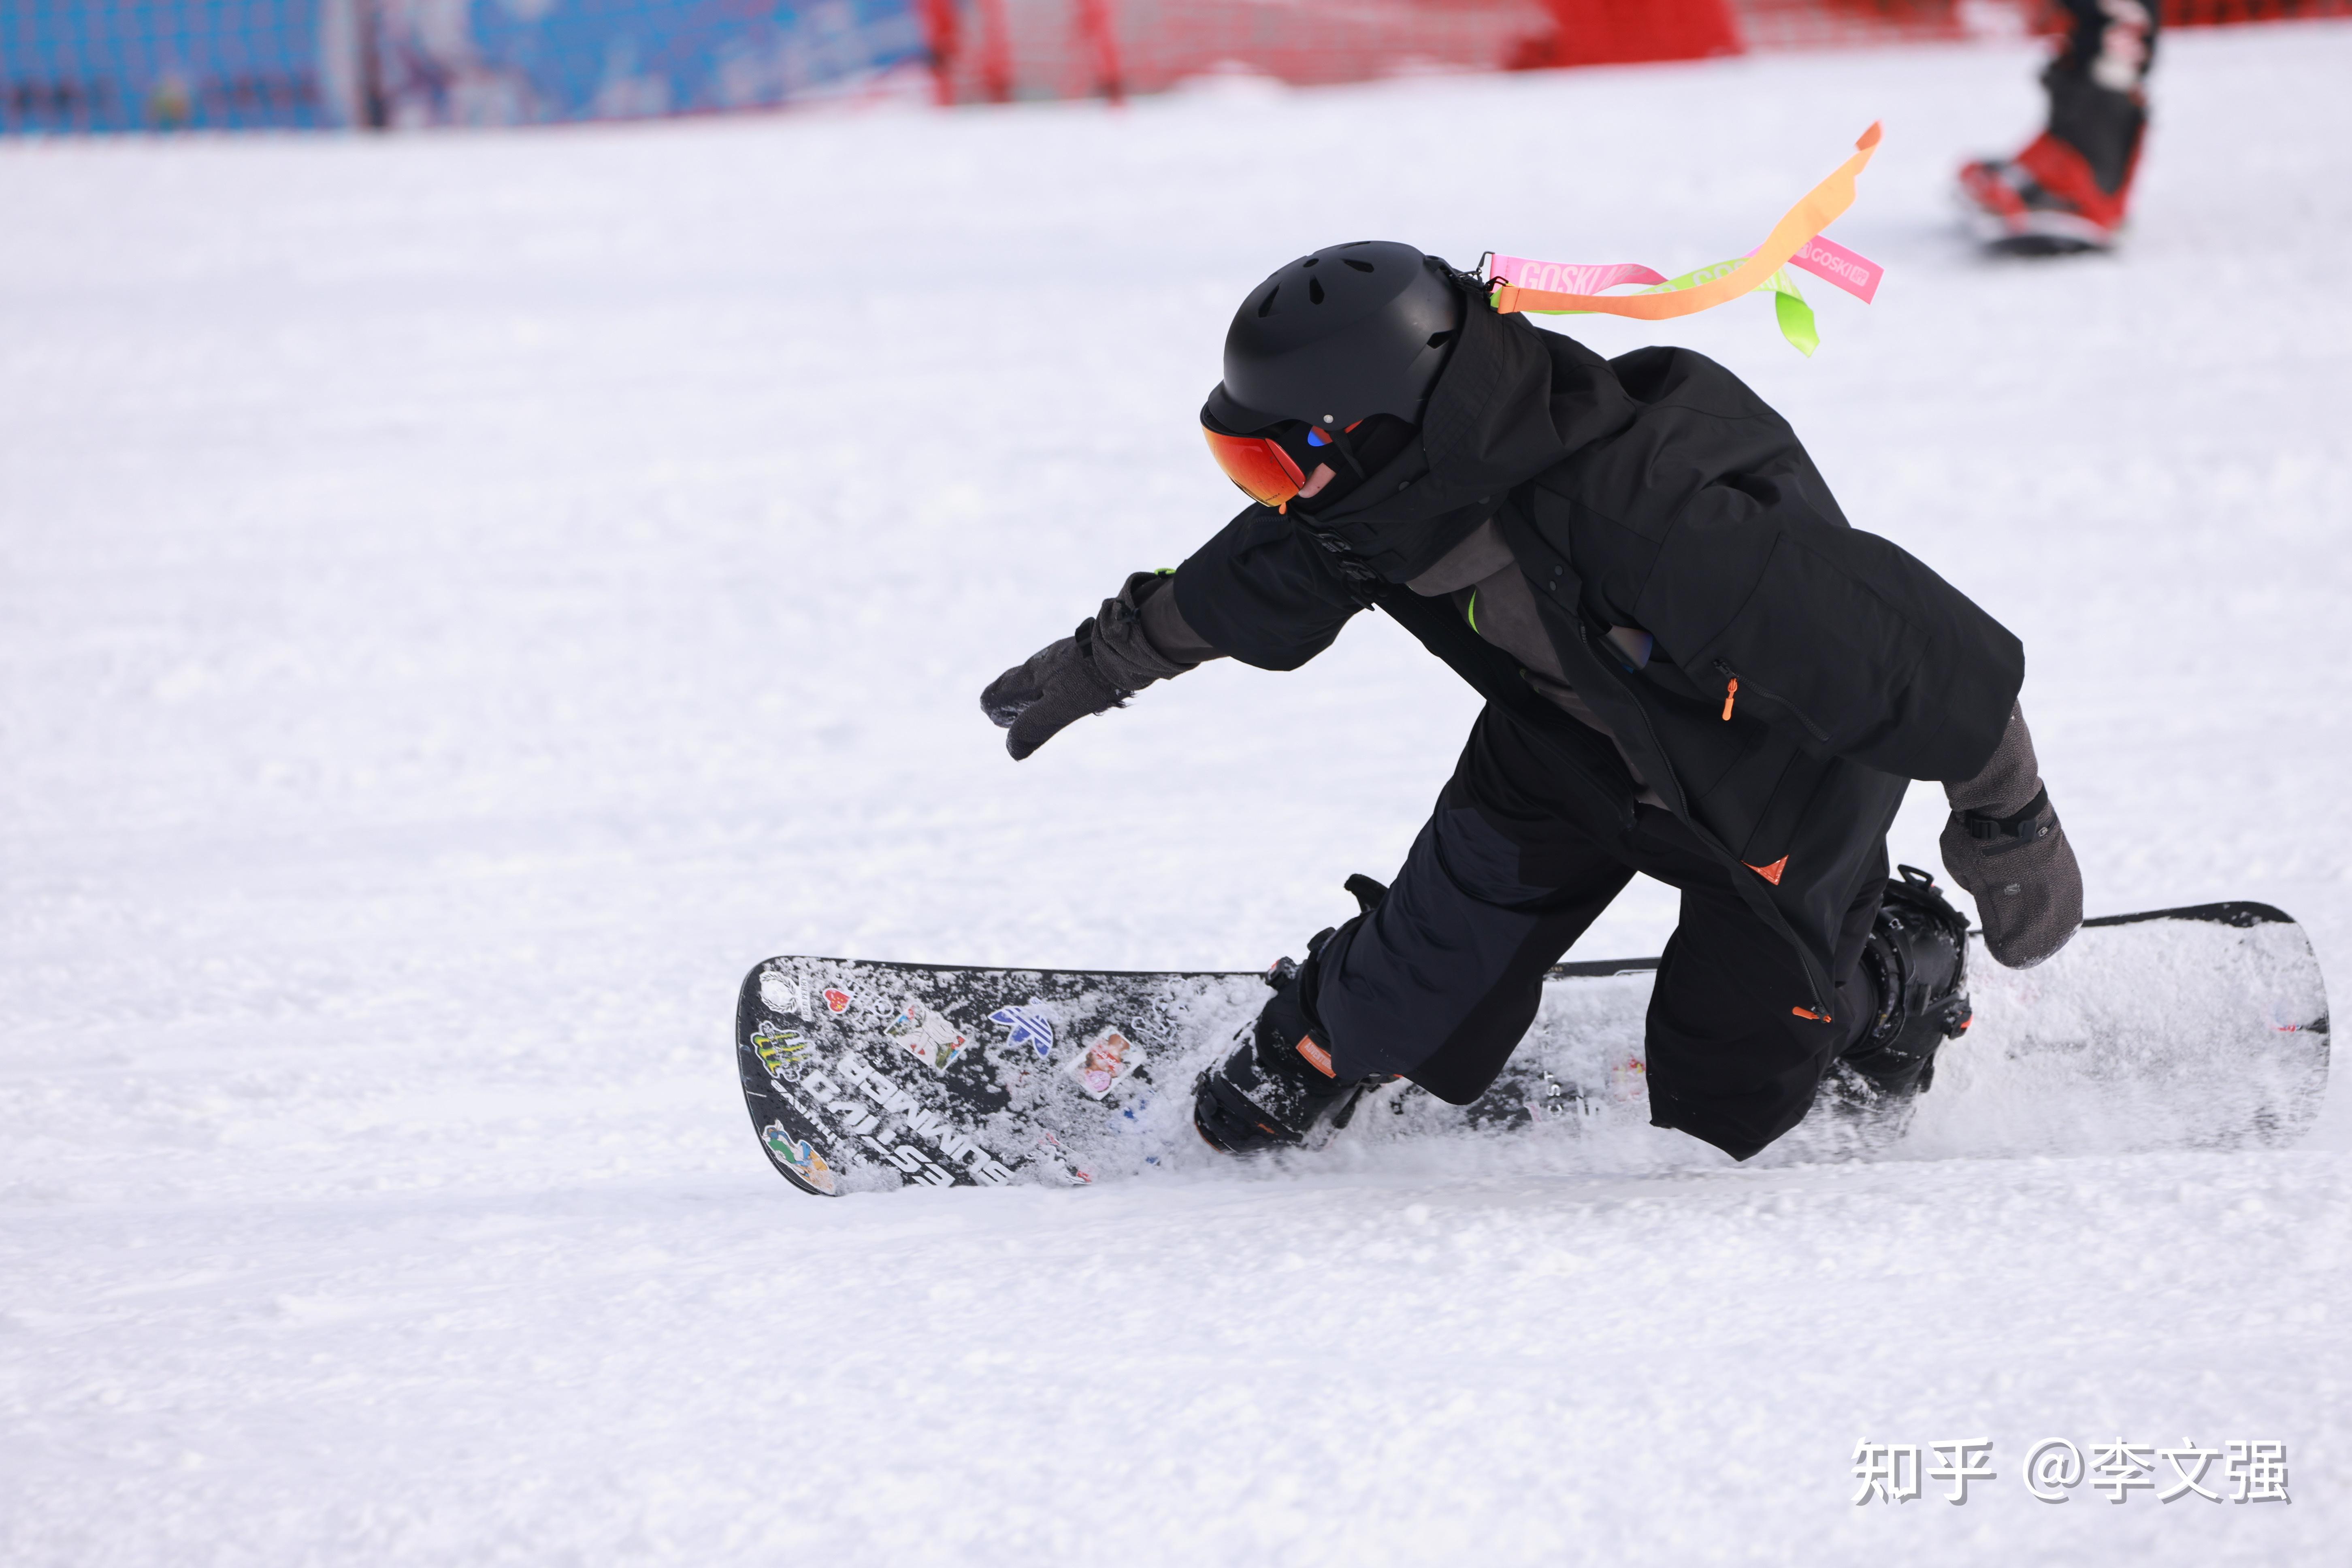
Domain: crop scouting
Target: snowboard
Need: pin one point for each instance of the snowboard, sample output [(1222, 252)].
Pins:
[(2201, 1027)]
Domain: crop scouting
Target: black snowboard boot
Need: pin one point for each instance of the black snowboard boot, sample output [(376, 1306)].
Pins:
[(1276, 1087), (1916, 958)]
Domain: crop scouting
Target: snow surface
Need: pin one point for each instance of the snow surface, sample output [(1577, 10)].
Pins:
[(468, 597)]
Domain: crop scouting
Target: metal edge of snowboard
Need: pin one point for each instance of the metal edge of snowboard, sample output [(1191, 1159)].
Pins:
[(2242, 913), (1005, 968), (1578, 969)]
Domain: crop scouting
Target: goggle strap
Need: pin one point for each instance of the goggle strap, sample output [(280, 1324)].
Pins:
[(1347, 448)]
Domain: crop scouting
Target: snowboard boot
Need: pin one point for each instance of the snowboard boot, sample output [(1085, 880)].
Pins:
[(2043, 202), (1276, 1087), (2068, 190), (1917, 959)]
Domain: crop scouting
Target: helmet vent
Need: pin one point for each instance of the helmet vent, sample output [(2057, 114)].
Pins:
[(1358, 266), (1315, 290), (1265, 306), (1439, 340), (1310, 261)]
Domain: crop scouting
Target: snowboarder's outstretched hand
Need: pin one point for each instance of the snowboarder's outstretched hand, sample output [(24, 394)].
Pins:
[(1111, 657), (1050, 690), (2005, 845)]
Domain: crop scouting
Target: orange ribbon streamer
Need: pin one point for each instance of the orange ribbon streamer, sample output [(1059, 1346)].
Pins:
[(1819, 209)]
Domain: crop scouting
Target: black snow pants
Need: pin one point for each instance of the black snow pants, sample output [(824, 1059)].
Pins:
[(1440, 980)]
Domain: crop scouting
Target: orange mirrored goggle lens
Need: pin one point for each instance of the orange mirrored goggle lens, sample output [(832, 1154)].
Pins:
[(1263, 470)]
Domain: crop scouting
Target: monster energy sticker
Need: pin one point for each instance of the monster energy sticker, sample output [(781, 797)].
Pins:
[(777, 1047)]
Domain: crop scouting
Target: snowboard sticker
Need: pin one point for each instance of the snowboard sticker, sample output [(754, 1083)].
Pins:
[(1107, 1058), (935, 1042), (2177, 1028)]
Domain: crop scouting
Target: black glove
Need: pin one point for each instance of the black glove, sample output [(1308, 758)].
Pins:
[(1109, 659), (2005, 845), (1050, 690)]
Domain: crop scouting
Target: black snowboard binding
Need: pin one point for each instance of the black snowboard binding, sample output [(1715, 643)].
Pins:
[(1276, 1087), (1917, 959)]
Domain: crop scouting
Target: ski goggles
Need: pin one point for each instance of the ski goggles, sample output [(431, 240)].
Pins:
[(1266, 473)]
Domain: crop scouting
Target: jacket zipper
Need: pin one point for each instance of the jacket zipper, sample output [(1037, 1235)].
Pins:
[(1650, 733), (1680, 806), (1732, 692)]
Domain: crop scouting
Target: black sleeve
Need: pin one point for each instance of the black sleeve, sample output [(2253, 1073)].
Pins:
[(1264, 591)]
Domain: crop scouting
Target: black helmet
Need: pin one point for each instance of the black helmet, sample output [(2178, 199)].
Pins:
[(1335, 337)]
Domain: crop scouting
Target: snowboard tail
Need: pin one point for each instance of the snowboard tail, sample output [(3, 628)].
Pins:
[(2187, 1028)]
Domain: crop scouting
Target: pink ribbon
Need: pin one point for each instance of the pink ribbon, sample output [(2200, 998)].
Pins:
[(1568, 277), (1824, 258), (1833, 263)]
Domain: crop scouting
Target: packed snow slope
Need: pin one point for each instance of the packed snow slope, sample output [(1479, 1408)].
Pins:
[(466, 598)]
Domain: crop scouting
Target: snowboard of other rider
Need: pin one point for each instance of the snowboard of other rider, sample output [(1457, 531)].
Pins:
[(1693, 667)]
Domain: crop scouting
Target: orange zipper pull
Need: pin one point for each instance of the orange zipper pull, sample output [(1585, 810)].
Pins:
[(1731, 695)]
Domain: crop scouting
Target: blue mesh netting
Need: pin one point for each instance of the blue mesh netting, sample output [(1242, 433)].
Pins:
[(505, 62), (131, 64), (121, 65)]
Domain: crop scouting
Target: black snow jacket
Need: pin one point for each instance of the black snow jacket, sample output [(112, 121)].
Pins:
[(1653, 492)]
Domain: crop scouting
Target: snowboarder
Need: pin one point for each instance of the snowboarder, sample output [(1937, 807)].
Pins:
[(1694, 666), (2068, 189)]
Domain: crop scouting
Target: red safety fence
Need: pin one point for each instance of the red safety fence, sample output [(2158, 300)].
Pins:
[(1003, 49), (1789, 25), (2229, 12)]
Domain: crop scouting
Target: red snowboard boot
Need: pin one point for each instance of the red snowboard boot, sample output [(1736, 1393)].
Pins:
[(2067, 190), (2043, 202)]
